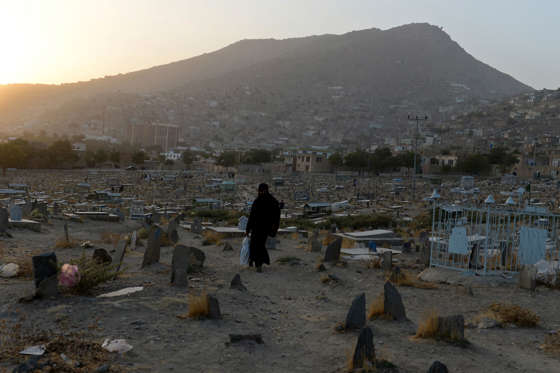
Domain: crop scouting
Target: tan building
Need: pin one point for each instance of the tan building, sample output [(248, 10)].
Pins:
[(308, 161), (163, 134)]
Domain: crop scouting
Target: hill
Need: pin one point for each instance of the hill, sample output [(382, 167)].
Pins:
[(348, 80)]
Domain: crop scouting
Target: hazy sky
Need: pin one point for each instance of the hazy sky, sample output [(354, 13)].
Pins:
[(54, 41)]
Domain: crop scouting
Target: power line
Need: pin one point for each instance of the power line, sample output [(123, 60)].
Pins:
[(418, 120)]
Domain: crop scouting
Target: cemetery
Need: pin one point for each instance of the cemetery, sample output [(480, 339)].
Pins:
[(139, 271)]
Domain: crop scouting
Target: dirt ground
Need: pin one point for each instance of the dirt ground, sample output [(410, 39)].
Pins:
[(288, 304)]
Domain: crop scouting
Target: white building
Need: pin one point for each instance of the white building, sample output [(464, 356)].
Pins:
[(172, 155), (79, 147)]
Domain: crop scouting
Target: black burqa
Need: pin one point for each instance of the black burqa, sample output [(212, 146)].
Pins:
[(264, 221)]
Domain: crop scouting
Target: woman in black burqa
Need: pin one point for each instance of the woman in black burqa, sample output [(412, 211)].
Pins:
[(264, 221)]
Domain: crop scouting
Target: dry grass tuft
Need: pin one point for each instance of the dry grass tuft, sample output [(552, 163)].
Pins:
[(377, 308), (402, 278), (289, 260), (198, 306), (428, 327), (374, 263), (512, 314), (348, 243), (213, 238), (329, 239), (552, 343), (61, 243), (142, 233)]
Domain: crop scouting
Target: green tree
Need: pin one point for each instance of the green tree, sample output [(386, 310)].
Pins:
[(257, 156), (477, 164), (115, 156), (100, 156), (89, 158), (188, 157), (60, 153), (227, 159), (139, 157), (357, 160), (14, 154), (336, 160)]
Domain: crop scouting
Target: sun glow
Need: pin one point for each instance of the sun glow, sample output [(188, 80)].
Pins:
[(19, 26)]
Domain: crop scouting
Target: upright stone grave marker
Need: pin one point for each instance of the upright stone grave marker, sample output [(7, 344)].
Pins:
[(15, 213), (332, 253), (172, 233), (152, 253), (356, 317), (180, 266), (393, 304), (4, 221), (365, 349), (45, 274)]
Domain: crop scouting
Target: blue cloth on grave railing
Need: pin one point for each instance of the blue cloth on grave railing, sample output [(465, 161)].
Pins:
[(532, 245), (458, 243)]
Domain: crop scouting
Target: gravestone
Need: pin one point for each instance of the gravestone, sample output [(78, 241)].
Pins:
[(528, 278), (15, 213), (242, 223), (395, 275), (47, 288), (365, 349), (172, 233), (194, 257), (4, 220), (387, 263), (44, 267), (332, 253), (180, 266), (117, 211), (426, 255), (313, 243), (392, 302), (133, 239), (356, 316), (119, 253), (316, 246), (101, 256), (451, 327), (213, 308), (45, 275), (66, 236), (237, 284), (196, 226), (151, 255), (438, 367)]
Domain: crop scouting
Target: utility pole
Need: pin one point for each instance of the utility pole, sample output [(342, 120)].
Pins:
[(418, 120)]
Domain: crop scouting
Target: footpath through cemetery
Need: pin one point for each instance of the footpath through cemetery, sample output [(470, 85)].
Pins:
[(143, 271)]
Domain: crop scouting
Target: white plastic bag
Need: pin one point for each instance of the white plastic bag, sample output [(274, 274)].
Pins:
[(244, 255)]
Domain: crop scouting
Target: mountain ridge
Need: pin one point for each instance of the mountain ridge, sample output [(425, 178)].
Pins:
[(417, 63)]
